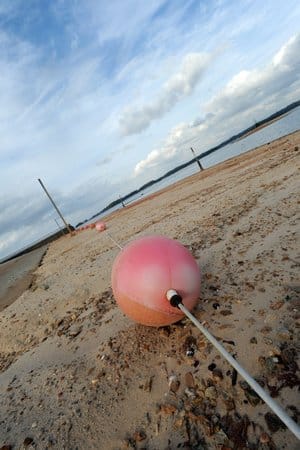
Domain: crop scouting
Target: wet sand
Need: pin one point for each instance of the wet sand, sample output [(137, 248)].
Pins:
[(76, 373), (17, 274)]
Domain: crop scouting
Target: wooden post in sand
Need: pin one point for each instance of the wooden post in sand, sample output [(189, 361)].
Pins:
[(123, 204), (59, 227), (58, 211), (199, 163)]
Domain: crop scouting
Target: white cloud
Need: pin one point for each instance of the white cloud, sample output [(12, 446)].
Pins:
[(250, 87), (68, 71), (285, 57), (249, 94), (168, 150), (20, 212), (183, 83)]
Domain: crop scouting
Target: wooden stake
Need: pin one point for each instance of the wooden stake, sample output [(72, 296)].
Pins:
[(58, 211), (198, 162)]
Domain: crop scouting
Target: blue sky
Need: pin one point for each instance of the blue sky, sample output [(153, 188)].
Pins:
[(99, 97)]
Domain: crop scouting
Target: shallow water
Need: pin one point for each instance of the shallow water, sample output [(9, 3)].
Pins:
[(289, 123), (286, 125)]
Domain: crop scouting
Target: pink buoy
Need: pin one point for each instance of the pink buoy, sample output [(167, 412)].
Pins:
[(145, 270), (100, 226)]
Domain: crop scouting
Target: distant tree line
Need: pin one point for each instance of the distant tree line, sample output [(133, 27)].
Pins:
[(193, 160)]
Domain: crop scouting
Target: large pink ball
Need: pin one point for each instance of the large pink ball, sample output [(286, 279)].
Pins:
[(145, 270), (100, 226)]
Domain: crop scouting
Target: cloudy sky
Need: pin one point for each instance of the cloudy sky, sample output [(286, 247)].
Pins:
[(97, 97)]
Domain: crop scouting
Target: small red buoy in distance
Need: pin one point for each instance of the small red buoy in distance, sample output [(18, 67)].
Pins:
[(145, 270), (100, 226)]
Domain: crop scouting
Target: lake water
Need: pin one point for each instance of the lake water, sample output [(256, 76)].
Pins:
[(286, 125), (281, 127)]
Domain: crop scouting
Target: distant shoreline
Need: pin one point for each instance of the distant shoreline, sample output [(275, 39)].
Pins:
[(36, 245), (235, 138), (263, 125)]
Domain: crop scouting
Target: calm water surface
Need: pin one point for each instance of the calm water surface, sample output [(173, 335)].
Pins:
[(286, 125)]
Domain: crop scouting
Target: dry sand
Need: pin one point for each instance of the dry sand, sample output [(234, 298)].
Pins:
[(76, 374)]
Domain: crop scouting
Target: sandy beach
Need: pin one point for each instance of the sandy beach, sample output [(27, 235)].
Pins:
[(75, 373)]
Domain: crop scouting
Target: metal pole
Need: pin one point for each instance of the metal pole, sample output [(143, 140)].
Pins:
[(174, 297), (58, 211), (198, 162)]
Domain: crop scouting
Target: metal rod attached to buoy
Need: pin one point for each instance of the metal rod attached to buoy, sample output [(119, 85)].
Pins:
[(114, 241), (176, 301)]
